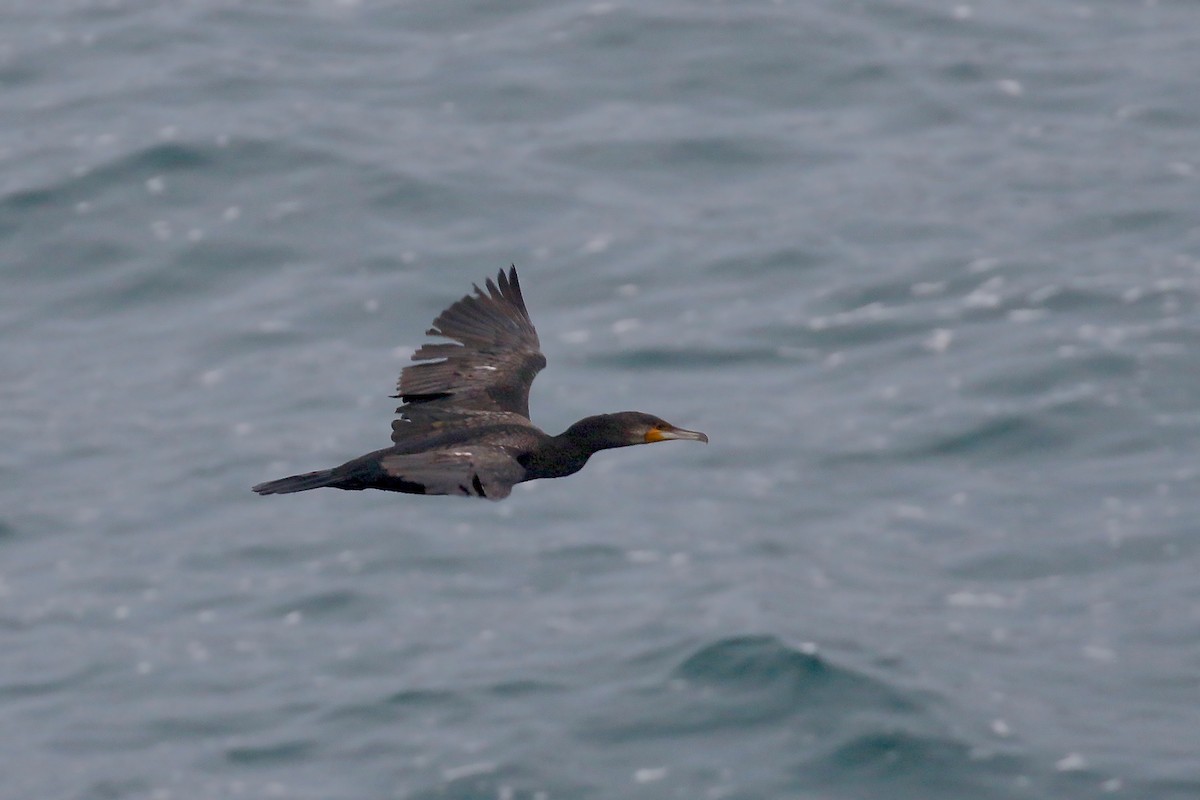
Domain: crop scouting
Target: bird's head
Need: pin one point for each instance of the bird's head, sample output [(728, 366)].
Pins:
[(649, 428), (627, 428)]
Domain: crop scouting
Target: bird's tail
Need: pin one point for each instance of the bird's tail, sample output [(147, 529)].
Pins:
[(298, 483)]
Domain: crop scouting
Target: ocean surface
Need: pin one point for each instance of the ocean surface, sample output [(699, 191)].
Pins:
[(926, 273)]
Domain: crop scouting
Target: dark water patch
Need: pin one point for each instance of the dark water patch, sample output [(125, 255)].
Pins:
[(84, 261), (443, 705), (1008, 565), (1090, 301), (42, 685), (411, 195), (480, 779), (259, 554), (167, 157), (339, 605), (748, 681), (451, 202), (201, 163), (583, 554), (418, 699), (522, 689), (370, 662), (1169, 117), (871, 324), (698, 67), (581, 559), (785, 261), (764, 662), (713, 155), (950, 29), (428, 705), (118, 789), (478, 561), (891, 228), (1099, 556), (662, 358), (14, 75), (1091, 228), (116, 734), (220, 345), (128, 170), (564, 566), (961, 71), (933, 277), (995, 437), (214, 257), (240, 157), (388, 265), (905, 763), (751, 660), (1165, 789), (1027, 378), (207, 723), (1083, 419), (270, 754)]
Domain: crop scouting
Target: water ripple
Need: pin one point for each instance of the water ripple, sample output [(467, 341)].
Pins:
[(750, 680)]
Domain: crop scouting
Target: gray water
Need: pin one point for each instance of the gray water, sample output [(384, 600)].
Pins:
[(926, 273)]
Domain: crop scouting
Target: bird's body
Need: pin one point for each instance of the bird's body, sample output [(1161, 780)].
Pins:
[(464, 424)]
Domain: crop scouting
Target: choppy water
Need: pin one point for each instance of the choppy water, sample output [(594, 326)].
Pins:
[(926, 273)]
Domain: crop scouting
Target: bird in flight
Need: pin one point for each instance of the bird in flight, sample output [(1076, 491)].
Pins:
[(464, 424)]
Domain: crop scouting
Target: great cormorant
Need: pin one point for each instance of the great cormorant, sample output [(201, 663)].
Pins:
[(464, 424)]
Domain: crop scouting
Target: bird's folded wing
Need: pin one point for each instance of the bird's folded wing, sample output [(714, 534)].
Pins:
[(469, 471), (489, 366)]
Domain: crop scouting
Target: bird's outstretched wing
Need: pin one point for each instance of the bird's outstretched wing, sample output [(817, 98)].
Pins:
[(469, 470), (489, 365)]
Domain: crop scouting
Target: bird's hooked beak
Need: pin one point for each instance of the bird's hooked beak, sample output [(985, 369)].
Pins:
[(663, 433)]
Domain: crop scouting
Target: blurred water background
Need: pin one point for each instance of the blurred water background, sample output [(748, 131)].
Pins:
[(925, 272)]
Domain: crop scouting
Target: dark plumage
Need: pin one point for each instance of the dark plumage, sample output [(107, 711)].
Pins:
[(464, 424)]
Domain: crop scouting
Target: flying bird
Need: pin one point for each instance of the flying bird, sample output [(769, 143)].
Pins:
[(464, 424)]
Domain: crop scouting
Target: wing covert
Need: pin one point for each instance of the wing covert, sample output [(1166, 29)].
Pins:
[(469, 471)]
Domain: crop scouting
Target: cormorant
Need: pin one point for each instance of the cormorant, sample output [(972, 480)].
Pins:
[(464, 424)]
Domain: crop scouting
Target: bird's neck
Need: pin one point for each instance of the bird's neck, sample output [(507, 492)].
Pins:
[(557, 456), (566, 453)]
